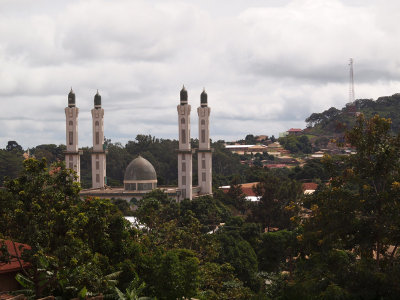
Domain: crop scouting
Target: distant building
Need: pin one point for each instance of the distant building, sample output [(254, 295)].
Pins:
[(309, 188), (140, 175), (247, 149), (247, 189), (295, 131)]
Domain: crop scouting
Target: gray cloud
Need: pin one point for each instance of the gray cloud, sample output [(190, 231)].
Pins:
[(266, 65)]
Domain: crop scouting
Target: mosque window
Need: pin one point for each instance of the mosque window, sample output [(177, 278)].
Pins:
[(183, 167), (71, 123), (183, 180), (183, 136), (97, 138), (183, 121), (203, 176), (97, 177), (203, 122), (71, 138), (203, 164), (97, 156), (144, 186), (183, 156), (203, 155), (71, 165), (130, 186), (203, 136), (97, 124), (97, 165)]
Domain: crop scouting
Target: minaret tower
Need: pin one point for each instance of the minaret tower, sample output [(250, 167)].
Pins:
[(72, 154), (184, 151), (98, 154), (204, 157)]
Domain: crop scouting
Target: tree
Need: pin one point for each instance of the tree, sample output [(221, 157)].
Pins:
[(70, 240), (13, 146), (356, 215), (276, 194)]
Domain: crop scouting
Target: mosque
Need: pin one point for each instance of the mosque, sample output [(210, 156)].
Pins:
[(140, 176)]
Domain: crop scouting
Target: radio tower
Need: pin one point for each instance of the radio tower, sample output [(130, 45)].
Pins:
[(351, 82)]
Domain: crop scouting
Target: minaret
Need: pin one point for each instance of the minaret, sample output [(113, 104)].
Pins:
[(204, 156), (72, 154), (98, 154), (184, 151)]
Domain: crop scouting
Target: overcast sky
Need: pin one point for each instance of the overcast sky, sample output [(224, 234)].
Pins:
[(266, 65)]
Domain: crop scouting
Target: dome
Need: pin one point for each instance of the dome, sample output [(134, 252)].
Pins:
[(203, 98), (184, 96), (140, 175), (71, 98), (97, 99)]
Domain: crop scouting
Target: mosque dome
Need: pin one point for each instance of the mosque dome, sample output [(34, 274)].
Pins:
[(71, 98), (97, 99), (203, 98), (184, 96), (140, 175)]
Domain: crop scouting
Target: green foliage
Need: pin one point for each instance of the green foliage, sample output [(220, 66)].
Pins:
[(69, 238), (10, 164), (277, 201), (177, 275), (355, 216), (240, 255), (296, 144), (276, 250)]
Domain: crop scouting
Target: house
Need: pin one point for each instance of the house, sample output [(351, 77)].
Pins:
[(8, 271), (247, 189), (246, 149), (309, 187), (295, 131)]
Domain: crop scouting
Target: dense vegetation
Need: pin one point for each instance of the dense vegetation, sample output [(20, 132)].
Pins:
[(160, 152), (334, 122), (339, 243)]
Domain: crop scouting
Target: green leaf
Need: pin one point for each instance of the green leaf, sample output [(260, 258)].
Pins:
[(24, 281), (82, 293)]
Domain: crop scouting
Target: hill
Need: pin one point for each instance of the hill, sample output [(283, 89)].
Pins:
[(334, 122)]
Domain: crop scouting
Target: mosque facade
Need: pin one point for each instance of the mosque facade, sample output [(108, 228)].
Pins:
[(140, 176)]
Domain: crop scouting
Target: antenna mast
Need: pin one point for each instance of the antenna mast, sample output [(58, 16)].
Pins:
[(351, 82)]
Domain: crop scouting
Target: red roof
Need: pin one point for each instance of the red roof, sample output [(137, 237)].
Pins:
[(295, 130), (309, 186), (276, 166), (14, 252), (247, 188)]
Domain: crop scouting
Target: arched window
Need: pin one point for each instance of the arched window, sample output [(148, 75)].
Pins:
[(71, 138), (203, 122), (96, 124), (183, 121), (97, 138), (183, 136)]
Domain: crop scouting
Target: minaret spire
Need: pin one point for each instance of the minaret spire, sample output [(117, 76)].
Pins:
[(99, 153), (72, 154), (204, 153), (184, 151)]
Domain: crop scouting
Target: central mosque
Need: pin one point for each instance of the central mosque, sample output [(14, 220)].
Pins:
[(140, 176)]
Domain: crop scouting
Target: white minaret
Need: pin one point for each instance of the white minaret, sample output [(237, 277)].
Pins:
[(204, 156), (184, 151), (72, 154), (98, 154)]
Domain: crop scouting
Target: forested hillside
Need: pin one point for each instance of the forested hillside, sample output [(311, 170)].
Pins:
[(341, 242), (160, 152), (334, 122)]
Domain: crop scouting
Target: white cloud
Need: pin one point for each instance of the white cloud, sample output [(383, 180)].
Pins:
[(266, 65)]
